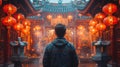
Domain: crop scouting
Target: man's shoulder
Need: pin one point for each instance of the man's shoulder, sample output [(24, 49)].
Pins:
[(49, 46), (70, 45)]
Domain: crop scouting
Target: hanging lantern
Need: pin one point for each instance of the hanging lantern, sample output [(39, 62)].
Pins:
[(9, 21), (93, 30), (18, 27), (101, 26), (25, 31), (19, 16), (27, 27), (0, 2), (9, 9), (110, 20), (26, 22), (100, 16), (80, 27), (70, 17), (93, 22), (49, 17), (109, 8), (91, 27)]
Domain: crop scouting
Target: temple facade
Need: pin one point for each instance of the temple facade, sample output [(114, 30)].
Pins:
[(77, 15)]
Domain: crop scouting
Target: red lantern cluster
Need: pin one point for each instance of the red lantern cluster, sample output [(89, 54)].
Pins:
[(9, 9), (110, 20), (26, 24), (109, 8), (9, 21)]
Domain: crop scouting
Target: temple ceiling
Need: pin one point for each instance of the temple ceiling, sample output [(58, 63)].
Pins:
[(59, 6)]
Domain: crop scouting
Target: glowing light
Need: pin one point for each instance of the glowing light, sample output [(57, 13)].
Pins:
[(37, 33), (9, 21), (36, 28), (70, 17), (110, 20), (59, 16), (9, 9), (93, 22), (19, 16), (93, 30), (49, 17), (26, 22), (18, 27), (110, 8), (101, 26), (100, 16), (25, 31), (80, 27)]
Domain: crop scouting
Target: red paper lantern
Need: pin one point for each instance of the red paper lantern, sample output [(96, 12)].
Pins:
[(19, 16), (9, 21), (93, 30), (100, 16), (110, 20), (0, 2), (91, 27), (25, 31), (26, 22), (101, 26), (9, 9), (109, 8), (93, 22), (27, 27), (18, 27)]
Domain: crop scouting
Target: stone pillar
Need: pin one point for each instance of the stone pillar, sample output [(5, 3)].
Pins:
[(101, 57), (18, 52)]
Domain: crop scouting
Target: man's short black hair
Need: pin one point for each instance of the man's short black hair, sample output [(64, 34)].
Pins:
[(60, 30)]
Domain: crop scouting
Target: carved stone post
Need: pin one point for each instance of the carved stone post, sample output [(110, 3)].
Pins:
[(101, 57), (18, 52)]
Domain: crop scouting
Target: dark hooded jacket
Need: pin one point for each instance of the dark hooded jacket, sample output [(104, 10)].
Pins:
[(60, 53)]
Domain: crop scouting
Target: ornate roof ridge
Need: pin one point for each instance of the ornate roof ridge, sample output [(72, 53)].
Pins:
[(61, 8)]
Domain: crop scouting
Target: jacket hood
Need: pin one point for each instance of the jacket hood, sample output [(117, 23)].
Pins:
[(60, 42)]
